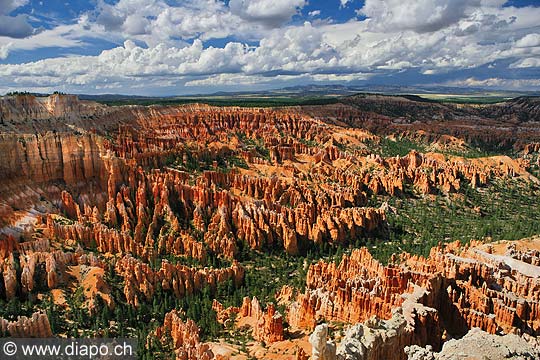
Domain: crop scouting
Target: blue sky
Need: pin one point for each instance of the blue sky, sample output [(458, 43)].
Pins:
[(169, 47)]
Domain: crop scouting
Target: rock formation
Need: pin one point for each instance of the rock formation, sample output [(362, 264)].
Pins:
[(267, 325), (23, 107), (455, 289), (377, 339), (170, 198), (478, 344), (321, 348), (37, 326), (185, 338), (476, 289), (141, 280)]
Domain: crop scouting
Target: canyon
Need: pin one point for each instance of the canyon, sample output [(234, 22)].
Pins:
[(167, 216)]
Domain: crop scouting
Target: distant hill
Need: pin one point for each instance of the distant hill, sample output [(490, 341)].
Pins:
[(314, 90)]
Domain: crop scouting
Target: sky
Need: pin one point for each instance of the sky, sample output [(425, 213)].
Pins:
[(174, 47)]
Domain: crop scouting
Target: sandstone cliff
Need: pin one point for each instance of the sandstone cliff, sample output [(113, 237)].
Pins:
[(23, 107)]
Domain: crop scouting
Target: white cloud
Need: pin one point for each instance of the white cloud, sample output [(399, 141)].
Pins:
[(417, 15), (241, 79), (7, 6), (157, 21), (314, 13), (299, 49), (4, 51), (128, 64), (429, 40), (498, 83), (272, 13), (529, 40), (526, 63), (63, 36), (201, 21), (14, 26)]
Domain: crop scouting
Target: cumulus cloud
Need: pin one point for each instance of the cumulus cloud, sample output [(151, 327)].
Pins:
[(204, 20), (128, 64), (526, 63), (129, 17), (417, 15), (7, 6), (166, 45), (298, 49), (159, 21), (14, 26), (271, 13), (529, 40)]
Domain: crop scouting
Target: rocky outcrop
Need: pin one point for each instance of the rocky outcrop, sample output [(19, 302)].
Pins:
[(52, 156), (130, 222), (412, 323), (455, 289), (531, 148), (301, 354), (141, 280), (23, 107), (353, 291), (267, 324), (478, 344), (486, 290), (42, 267), (389, 339), (381, 339), (430, 173), (9, 277), (321, 348), (37, 326), (184, 336), (476, 289), (491, 125), (324, 204)]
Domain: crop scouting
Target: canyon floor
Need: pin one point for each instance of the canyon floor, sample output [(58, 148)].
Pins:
[(372, 227)]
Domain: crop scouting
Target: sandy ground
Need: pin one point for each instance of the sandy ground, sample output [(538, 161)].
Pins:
[(281, 350)]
